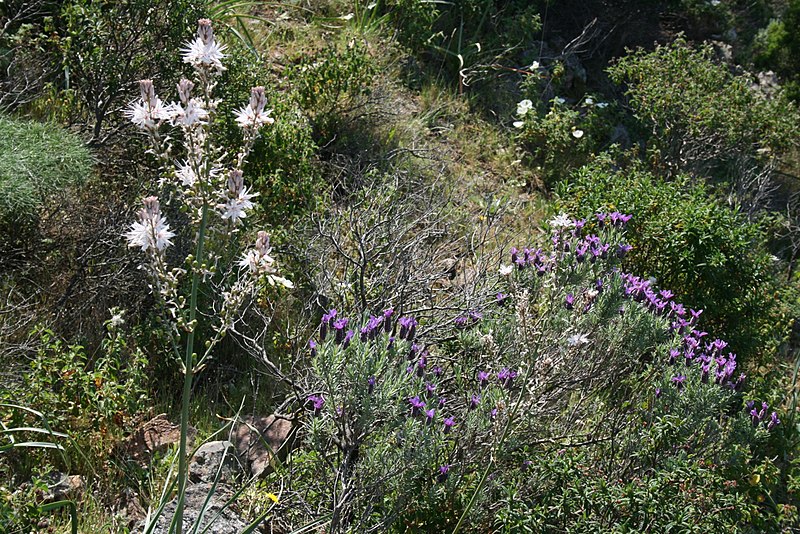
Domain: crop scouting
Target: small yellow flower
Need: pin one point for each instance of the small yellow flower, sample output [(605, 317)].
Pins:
[(273, 497), (755, 478)]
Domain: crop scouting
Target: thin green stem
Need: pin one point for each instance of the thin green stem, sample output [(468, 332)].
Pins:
[(189, 371)]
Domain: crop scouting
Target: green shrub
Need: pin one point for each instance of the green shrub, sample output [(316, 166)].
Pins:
[(37, 161), (331, 83), (704, 120), (777, 47), (707, 253)]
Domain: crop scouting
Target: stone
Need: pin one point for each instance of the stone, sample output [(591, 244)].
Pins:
[(259, 440), (215, 458), (155, 435), (217, 518)]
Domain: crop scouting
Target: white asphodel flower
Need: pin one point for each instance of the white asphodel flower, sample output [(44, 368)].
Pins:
[(146, 116), (188, 116), (149, 111), (258, 261), (577, 339), (253, 114), (152, 230), (519, 124), (238, 199), (577, 134), (247, 117), (562, 221), (236, 208), (602, 105), (506, 270), (186, 175), (589, 101), (524, 107), (534, 66), (204, 51)]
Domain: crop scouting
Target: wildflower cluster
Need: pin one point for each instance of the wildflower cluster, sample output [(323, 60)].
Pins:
[(594, 258), (215, 197)]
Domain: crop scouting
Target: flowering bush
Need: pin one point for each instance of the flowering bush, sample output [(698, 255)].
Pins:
[(571, 353), (703, 251), (563, 136)]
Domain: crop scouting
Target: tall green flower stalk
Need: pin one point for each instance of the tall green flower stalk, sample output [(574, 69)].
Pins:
[(213, 193)]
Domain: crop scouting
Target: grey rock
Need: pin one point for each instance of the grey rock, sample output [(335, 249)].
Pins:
[(259, 440), (216, 516), (212, 458)]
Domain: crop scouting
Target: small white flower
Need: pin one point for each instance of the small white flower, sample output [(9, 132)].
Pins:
[(534, 66), (577, 339), (349, 16), (199, 54), (591, 293), (577, 134), (274, 279), (506, 270), (589, 101), (519, 124), (562, 221), (524, 107), (186, 174), (559, 100), (117, 317), (247, 117), (189, 116), (236, 208), (602, 105), (143, 115), (150, 233)]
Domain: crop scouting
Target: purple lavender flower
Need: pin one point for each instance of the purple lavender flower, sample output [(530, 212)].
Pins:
[(461, 322), (474, 402), (569, 301), (443, 473), (430, 389), (429, 415), (312, 345), (317, 401), (514, 254), (601, 219), (773, 421), (493, 414), (448, 424), (658, 393), (371, 383), (437, 372), (506, 377), (417, 405), (347, 338), (387, 320), (483, 378), (678, 381), (421, 364), (408, 327), (673, 355), (622, 250), (339, 327), (442, 402), (502, 298)]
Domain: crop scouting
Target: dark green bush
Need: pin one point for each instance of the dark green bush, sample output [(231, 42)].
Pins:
[(777, 47), (704, 120), (691, 243)]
